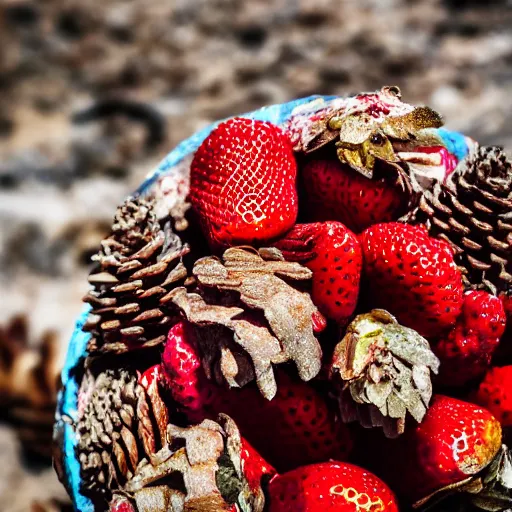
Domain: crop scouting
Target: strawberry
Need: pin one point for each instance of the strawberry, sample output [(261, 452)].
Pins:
[(495, 393), (466, 351), (503, 354), (330, 486), (334, 191), (242, 183), (333, 253), (413, 276), (506, 298), (121, 504), (455, 441), (183, 373), (296, 427), (254, 466), (152, 374)]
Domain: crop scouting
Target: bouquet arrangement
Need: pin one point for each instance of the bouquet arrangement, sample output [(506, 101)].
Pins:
[(303, 308)]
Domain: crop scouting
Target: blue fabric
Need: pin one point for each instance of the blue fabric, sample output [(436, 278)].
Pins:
[(68, 402), (77, 350), (455, 143)]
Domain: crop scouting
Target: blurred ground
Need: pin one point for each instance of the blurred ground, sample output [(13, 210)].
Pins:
[(94, 93)]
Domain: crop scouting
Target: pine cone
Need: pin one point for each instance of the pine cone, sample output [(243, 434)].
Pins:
[(248, 317), (473, 213), (124, 458), (138, 264), (120, 424), (29, 378), (382, 371)]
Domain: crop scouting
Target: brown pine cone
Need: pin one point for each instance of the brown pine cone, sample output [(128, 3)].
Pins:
[(129, 451), (120, 424), (472, 211), (249, 314), (138, 264)]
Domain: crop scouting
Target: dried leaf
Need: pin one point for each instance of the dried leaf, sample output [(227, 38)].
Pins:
[(207, 447), (258, 278)]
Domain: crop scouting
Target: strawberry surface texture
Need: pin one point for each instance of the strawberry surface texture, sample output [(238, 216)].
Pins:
[(330, 486), (413, 275), (242, 183)]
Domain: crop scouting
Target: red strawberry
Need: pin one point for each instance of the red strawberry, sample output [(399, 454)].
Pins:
[(121, 504), (503, 354), (455, 440), (296, 427), (254, 466), (507, 302), (334, 191), (333, 253), (242, 183), (330, 486), (151, 375), (183, 373), (413, 276), (466, 351), (495, 393)]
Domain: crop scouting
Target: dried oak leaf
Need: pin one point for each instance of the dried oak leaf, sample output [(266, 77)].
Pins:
[(283, 333)]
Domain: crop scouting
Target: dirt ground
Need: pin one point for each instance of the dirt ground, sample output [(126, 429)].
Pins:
[(94, 93)]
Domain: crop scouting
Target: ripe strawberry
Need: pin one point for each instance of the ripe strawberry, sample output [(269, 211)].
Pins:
[(456, 440), (495, 393), (183, 373), (242, 183), (121, 504), (152, 374), (503, 354), (466, 351), (333, 254), (330, 486), (296, 427), (413, 276), (254, 466), (507, 302), (333, 191)]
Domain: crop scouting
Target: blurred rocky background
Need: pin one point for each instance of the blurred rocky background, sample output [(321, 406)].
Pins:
[(93, 93)]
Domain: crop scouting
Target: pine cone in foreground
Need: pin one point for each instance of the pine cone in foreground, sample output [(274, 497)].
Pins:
[(383, 371), (473, 212), (248, 317), (129, 451), (139, 263), (29, 377), (120, 423)]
